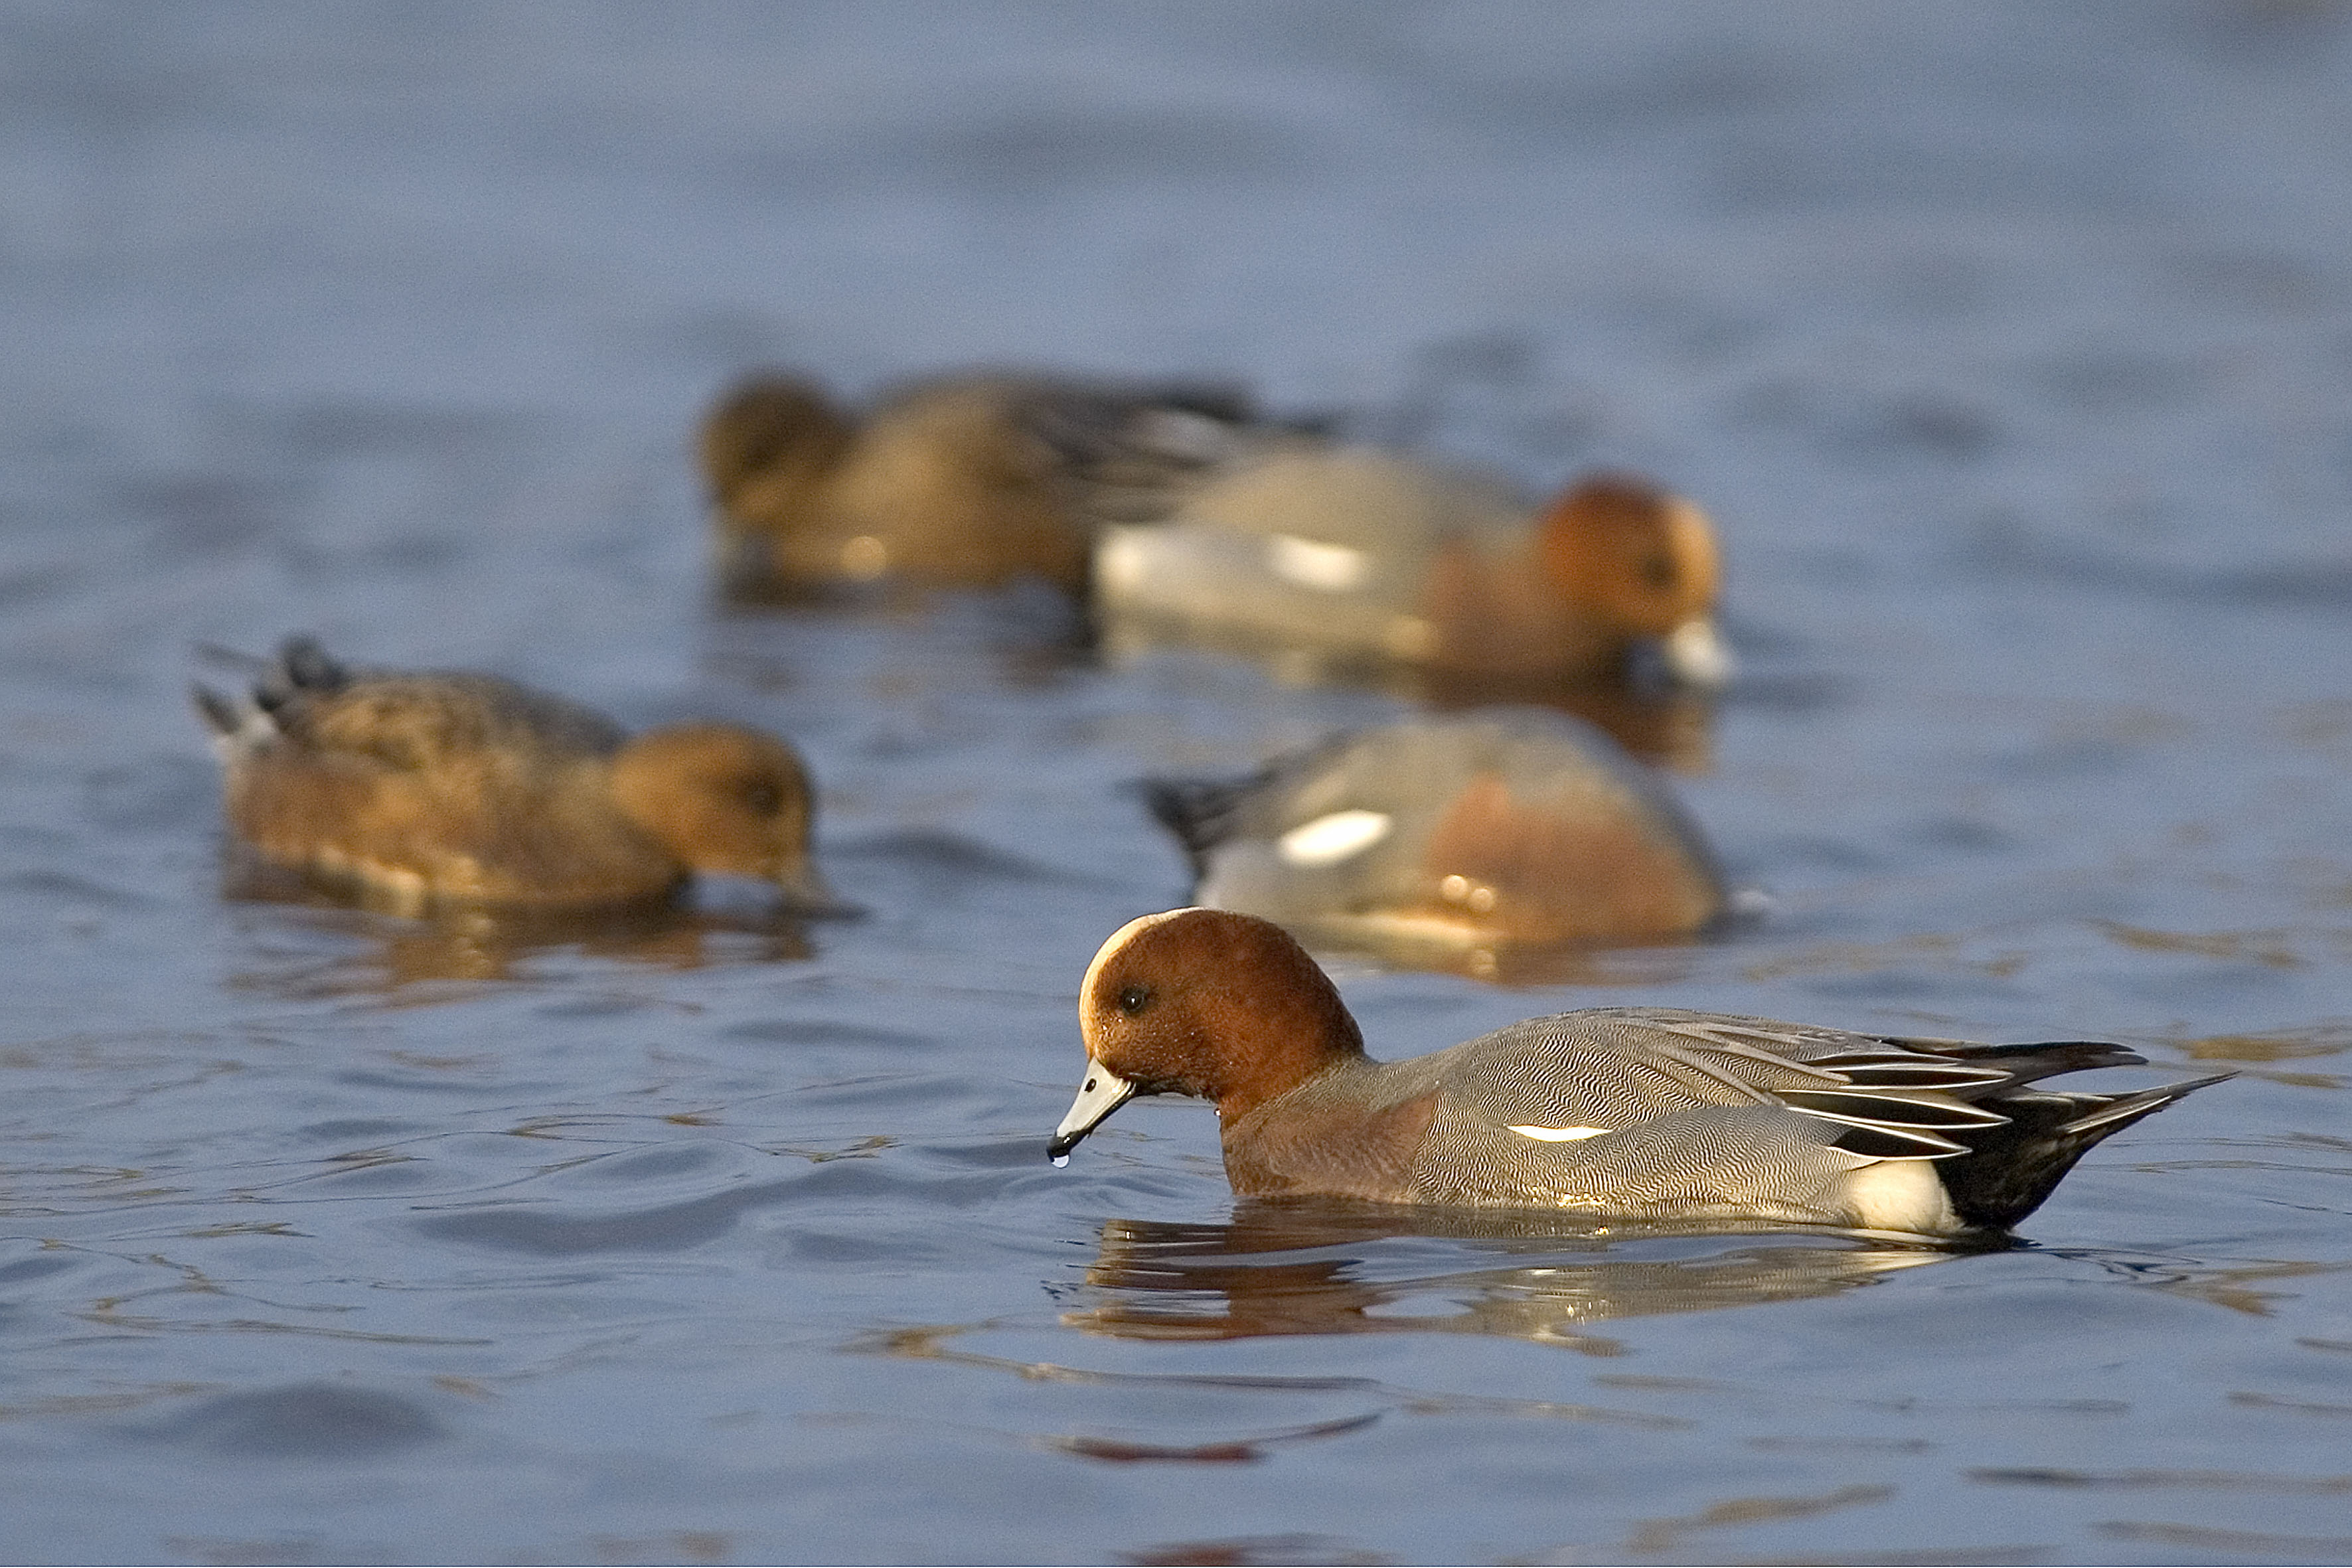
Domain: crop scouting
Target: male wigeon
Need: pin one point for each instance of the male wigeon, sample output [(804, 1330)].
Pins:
[(418, 788), (1630, 1112), (1510, 825), (958, 481), (1358, 560)]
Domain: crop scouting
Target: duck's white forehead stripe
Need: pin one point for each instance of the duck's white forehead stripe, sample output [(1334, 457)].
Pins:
[(1118, 939), (1558, 1134), (1331, 839), (1313, 563)]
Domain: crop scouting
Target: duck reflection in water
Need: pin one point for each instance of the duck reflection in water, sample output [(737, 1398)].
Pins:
[(1335, 1267), (322, 947)]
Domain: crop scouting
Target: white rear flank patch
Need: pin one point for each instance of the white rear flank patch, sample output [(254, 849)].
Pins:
[(1896, 1194), (1558, 1134), (1312, 564), (1331, 839)]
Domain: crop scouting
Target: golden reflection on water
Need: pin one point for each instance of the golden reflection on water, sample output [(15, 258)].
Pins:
[(1281, 1268), (392, 955), (2323, 1039)]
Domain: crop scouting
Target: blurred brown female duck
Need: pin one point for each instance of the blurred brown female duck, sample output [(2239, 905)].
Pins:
[(958, 481), (1649, 1113), (418, 788)]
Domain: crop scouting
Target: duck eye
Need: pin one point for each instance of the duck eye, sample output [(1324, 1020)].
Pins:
[(1658, 570), (762, 797), (1134, 998)]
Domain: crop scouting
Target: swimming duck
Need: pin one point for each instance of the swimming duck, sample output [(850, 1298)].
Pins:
[(1513, 825), (957, 481), (1358, 558), (418, 788), (1628, 1113)]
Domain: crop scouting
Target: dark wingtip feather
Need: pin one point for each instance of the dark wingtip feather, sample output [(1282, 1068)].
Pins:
[(219, 714), (2124, 1110), (308, 667), (2044, 1058), (1198, 812), (302, 668)]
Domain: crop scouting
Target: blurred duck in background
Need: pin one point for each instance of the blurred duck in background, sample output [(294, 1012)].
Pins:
[(412, 790), (1344, 561), (958, 481), (1445, 839)]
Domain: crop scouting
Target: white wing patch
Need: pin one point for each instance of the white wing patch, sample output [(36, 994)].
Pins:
[(1312, 564), (1558, 1134), (1331, 839)]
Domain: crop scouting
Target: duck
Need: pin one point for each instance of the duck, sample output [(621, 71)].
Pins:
[(1356, 561), (959, 481), (1510, 825), (1650, 1114), (416, 789)]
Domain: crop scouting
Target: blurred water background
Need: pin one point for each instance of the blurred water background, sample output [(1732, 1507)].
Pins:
[(2011, 346)]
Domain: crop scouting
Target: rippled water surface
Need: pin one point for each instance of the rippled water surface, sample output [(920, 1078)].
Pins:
[(2012, 347)]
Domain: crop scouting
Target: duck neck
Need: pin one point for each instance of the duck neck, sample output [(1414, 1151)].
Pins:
[(1294, 1045)]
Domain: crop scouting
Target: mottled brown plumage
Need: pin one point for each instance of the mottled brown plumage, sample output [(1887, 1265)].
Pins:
[(959, 481), (429, 788)]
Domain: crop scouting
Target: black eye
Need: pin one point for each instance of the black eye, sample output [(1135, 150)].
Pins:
[(1134, 998), (1658, 570), (762, 797)]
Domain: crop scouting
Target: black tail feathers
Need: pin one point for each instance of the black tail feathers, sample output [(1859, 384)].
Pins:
[(2008, 1170), (1199, 812), (302, 669)]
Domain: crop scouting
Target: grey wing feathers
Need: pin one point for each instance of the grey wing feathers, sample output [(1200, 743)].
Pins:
[(399, 720), (1614, 1067), (1133, 453), (1663, 1110), (1130, 452)]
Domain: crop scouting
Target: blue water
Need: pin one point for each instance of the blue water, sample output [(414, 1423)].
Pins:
[(2010, 347)]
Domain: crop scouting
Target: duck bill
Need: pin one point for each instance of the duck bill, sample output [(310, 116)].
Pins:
[(1697, 656), (1103, 1092), (806, 892)]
